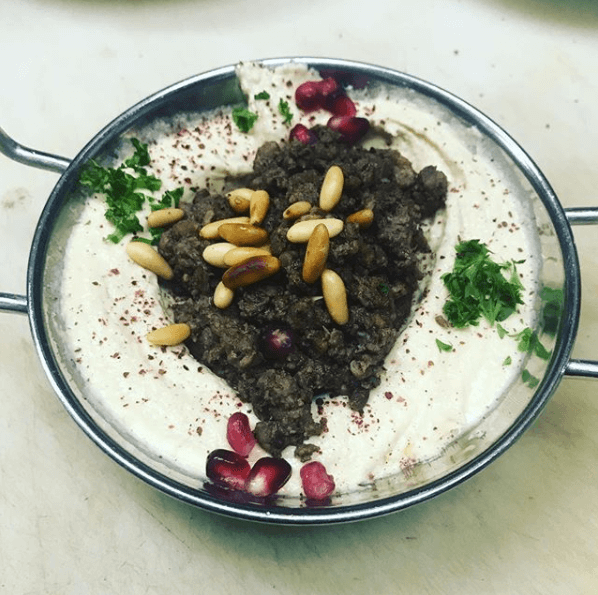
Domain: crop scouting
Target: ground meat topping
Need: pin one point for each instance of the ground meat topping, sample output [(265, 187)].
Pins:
[(379, 265)]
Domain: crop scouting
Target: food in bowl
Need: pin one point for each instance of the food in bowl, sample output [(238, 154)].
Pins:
[(421, 400)]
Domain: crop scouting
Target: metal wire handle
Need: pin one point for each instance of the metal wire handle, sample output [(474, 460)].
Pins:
[(27, 156)]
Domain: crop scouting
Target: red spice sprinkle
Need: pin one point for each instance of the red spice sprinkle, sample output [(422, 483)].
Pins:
[(388, 395)]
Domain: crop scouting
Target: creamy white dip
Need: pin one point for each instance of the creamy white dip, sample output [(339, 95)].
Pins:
[(176, 409)]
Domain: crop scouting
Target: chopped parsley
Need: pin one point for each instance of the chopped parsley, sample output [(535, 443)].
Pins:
[(478, 287), (285, 111), (529, 379), (244, 119), (552, 309), (124, 188), (529, 342), (443, 346), (262, 96), (508, 361)]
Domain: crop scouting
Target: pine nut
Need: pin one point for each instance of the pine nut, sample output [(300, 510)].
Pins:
[(144, 255), (210, 230), (301, 231), (363, 218), (164, 217), (223, 296), (240, 253), (173, 334), (250, 271), (238, 199), (316, 254), (258, 206), (243, 234), (332, 188), (297, 209), (214, 253), (335, 296)]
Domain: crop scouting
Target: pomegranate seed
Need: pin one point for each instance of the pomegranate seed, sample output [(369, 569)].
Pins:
[(227, 468), (308, 96), (351, 128), (267, 476), (330, 90), (277, 342), (343, 106), (239, 434), (303, 135), (317, 484)]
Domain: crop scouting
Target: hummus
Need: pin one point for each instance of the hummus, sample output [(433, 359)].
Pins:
[(175, 410)]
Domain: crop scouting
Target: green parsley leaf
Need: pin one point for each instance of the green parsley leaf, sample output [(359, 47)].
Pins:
[(383, 288), (501, 330), (508, 361), (244, 119), (263, 95), (529, 342), (529, 379), (552, 309), (285, 110), (478, 288), (171, 198), (443, 346)]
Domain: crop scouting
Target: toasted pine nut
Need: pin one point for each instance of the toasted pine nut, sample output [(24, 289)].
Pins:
[(332, 188), (214, 253), (240, 253), (363, 218), (223, 296), (238, 199), (316, 254), (241, 193), (335, 296), (173, 334), (250, 271), (297, 209), (164, 217), (301, 231), (210, 230), (258, 206), (144, 255), (243, 234)]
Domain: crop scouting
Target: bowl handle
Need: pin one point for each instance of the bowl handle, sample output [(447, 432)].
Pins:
[(22, 154), (582, 368), (11, 302)]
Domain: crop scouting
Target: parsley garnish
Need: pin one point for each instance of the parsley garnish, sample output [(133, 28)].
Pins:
[(478, 288), (263, 95), (529, 379), (529, 342), (244, 119), (508, 361), (123, 188), (283, 108), (443, 346)]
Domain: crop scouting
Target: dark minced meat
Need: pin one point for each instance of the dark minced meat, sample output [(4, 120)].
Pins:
[(379, 266)]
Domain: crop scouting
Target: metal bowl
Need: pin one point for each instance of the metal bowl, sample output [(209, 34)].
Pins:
[(467, 455)]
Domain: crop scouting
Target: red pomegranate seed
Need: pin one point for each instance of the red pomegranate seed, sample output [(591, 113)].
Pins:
[(267, 476), (239, 434), (308, 96), (227, 468), (351, 128), (317, 484), (343, 106), (303, 135), (330, 90)]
